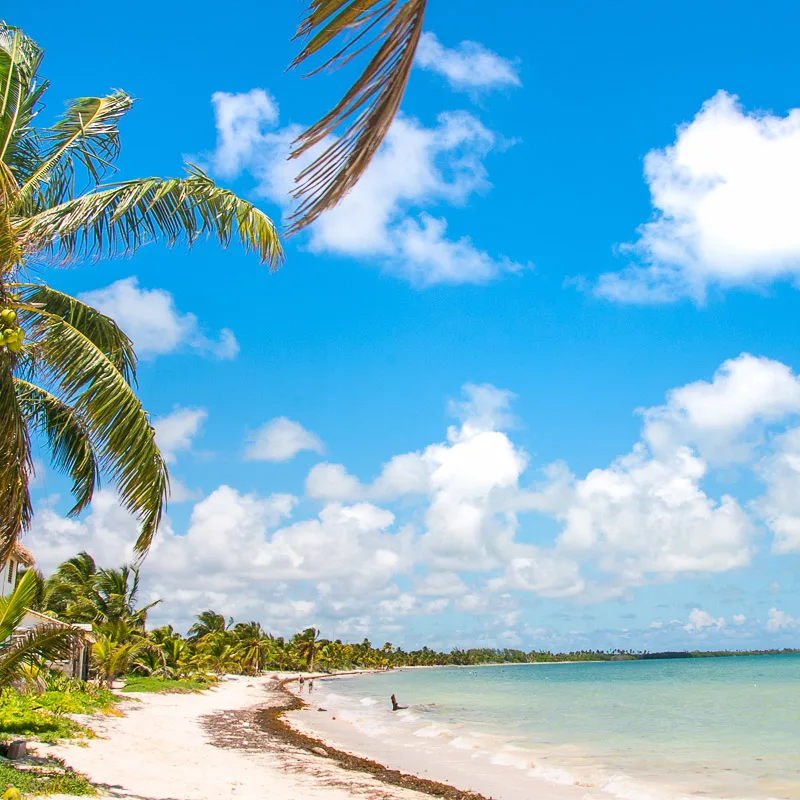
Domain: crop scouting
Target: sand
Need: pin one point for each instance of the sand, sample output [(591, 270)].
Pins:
[(207, 745)]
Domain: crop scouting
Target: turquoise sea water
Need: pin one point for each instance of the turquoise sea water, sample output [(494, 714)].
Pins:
[(713, 727)]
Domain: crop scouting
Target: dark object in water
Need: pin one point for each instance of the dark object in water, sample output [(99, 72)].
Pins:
[(395, 706)]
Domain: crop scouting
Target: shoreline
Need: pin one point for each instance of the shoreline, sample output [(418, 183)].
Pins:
[(229, 741)]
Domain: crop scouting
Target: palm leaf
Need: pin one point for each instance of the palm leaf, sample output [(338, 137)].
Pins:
[(67, 436), (20, 93), (118, 219), (89, 382), (101, 330), (45, 643), (86, 135), (13, 606), (368, 107)]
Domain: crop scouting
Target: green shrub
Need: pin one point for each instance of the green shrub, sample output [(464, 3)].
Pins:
[(51, 778)]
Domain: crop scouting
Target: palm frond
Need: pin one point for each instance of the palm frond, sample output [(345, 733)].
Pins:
[(67, 436), (12, 606), (86, 135), (368, 107), (16, 463), (20, 95), (101, 330), (118, 219), (120, 429), (44, 643)]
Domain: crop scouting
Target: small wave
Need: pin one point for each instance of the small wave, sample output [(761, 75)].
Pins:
[(432, 732)]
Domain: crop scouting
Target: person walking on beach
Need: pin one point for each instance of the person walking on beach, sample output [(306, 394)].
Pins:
[(302, 683), (310, 685)]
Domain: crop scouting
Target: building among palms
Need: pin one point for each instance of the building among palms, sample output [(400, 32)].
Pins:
[(77, 664)]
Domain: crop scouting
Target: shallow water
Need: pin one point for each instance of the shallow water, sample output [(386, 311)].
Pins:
[(715, 727)]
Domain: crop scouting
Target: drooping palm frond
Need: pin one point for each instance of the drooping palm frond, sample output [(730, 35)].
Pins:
[(89, 381), (118, 219), (101, 330), (67, 436), (12, 606), (44, 643), (368, 108), (87, 135)]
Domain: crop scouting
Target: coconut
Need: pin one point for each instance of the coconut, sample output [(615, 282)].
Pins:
[(8, 316)]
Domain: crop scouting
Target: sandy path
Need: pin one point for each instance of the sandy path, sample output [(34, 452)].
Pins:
[(162, 749)]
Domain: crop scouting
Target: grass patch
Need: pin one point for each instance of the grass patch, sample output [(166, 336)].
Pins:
[(50, 776), (140, 683), (44, 717)]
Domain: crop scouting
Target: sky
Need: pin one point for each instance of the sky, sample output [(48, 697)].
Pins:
[(535, 383)]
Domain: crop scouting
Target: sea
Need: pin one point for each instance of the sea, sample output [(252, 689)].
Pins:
[(635, 730)]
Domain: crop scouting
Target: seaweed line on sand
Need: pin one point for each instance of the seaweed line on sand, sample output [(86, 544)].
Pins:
[(242, 730)]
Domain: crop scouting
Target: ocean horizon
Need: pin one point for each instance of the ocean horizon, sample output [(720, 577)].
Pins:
[(668, 729)]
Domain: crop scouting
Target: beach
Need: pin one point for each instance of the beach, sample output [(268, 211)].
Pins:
[(216, 744)]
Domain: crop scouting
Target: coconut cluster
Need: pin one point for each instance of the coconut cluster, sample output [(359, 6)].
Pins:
[(11, 333)]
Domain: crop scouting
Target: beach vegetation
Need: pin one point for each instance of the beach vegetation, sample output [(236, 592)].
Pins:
[(50, 776)]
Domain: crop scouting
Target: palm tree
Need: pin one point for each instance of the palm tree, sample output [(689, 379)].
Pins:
[(307, 644), (208, 623), (42, 644), (116, 649), (80, 592), (67, 372), (254, 645), (393, 29), (219, 655)]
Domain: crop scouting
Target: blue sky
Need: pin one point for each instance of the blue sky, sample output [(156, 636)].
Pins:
[(612, 258)]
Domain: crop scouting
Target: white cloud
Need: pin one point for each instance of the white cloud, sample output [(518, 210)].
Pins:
[(281, 439), (700, 621), (739, 619), (333, 482), (384, 218), (780, 506), (151, 319), (780, 620), (240, 119), (177, 431), (726, 197), (714, 416), (467, 67)]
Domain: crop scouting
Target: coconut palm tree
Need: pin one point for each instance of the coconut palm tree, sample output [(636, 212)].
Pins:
[(42, 644), (391, 29), (67, 372), (80, 592), (116, 649), (307, 645), (208, 623), (254, 646)]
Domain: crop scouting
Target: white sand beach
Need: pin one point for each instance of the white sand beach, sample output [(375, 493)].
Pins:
[(206, 745), (211, 744)]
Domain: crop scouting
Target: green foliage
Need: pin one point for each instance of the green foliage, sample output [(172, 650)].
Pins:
[(43, 717), (52, 778), (140, 683)]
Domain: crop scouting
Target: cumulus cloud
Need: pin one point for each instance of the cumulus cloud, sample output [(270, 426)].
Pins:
[(726, 198), (701, 621), (780, 505), (154, 323), (739, 619), (177, 431), (281, 439), (714, 416), (468, 67), (384, 219)]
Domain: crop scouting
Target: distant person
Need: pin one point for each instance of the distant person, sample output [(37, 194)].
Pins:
[(310, 686), (302, 683), (396, 706)]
